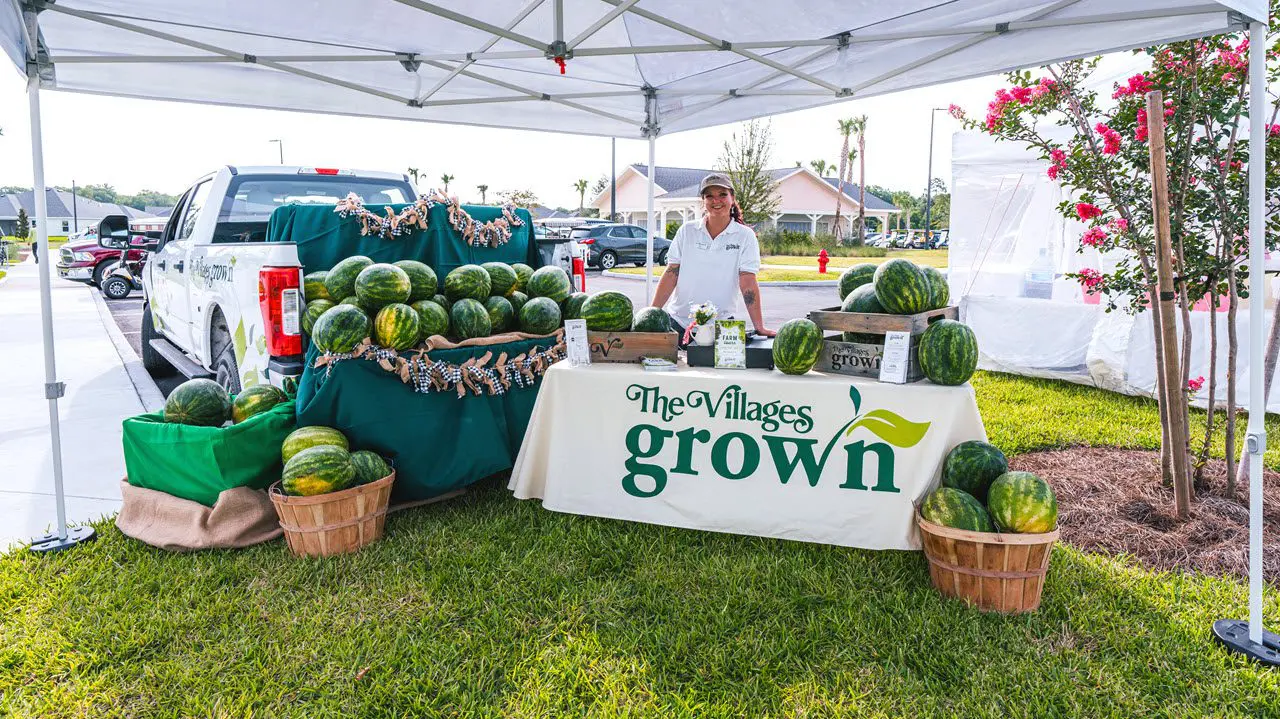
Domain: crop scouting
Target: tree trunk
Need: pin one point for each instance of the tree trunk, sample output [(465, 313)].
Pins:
[(1213, 386), (1258, 295), (844, 161), (862, 189), (1233, 349)]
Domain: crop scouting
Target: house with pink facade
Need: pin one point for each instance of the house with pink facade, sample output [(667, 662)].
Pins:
[(807, 201)]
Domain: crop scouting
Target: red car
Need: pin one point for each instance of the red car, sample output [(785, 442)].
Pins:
[(82, 260)]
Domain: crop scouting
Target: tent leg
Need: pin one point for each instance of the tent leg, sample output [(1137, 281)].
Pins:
[(62, 539), (1255, 643), (650, 223)]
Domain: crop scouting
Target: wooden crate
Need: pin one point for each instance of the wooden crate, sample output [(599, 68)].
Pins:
[(992, 571), (832, 319), (632, 346), (862, 360)]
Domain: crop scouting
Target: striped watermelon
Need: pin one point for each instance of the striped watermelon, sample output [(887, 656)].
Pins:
[(432, 318), (198, 402), (863, 299), (502, 278), (608, 311), (1023, 503), (315, 308), (318, 470), (340, 281), (381, 284), (517, 299), (467, 281), (972, 466), (340, 329), (550, 281), (855, 277), (470, 319), (370, 467), (651, 319), (421, 278), (571, 308), (523, 273), (443, 301), (501, 315), (308, 437), (313, 286), (902, 287), (948, 352), (540, 316), (397, 327), (255, 400), (796, 346), (956, 509), (939, 290)]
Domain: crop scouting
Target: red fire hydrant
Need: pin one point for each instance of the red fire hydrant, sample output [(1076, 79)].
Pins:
[(822, 262)]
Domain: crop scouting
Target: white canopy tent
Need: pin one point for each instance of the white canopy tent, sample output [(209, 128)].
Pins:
[(622, 68)]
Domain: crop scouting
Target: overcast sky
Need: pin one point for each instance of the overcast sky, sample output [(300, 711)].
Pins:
[(138, 144)]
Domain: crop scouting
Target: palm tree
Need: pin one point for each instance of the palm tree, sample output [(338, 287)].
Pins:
[(414, 172), (581, 187), (820, 167), (860, 127), (906, 202), (483, 189), (847, 180), (846, 129), (446, 179)]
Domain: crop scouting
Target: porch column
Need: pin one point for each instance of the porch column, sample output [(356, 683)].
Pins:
[(813, 224), (775, 220)]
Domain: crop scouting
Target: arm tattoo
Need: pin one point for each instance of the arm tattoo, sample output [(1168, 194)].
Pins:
[(749, 297), (674, 270)]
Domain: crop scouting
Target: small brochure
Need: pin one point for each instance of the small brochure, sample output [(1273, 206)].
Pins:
[(731, 344), (897, 352), (575, 339)]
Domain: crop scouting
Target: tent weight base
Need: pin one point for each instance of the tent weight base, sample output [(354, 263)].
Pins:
[(1234, 635), (51, 543)]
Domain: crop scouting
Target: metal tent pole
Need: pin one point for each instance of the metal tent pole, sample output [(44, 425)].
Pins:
[(648, 242), (1250, 638)]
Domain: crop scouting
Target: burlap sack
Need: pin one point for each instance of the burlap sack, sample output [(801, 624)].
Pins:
[(240, 518)]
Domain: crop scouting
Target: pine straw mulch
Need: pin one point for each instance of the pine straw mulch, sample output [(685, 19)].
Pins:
[(1112, 501)]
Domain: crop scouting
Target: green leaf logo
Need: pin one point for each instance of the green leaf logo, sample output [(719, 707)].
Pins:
[(856, 396), (891, 427)]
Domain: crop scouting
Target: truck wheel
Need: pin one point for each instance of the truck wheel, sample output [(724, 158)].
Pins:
[(100, 271), (225, 371), (116, 288), (152, 361)]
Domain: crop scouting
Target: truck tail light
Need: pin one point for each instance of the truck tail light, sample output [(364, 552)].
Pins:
[(280, 296)]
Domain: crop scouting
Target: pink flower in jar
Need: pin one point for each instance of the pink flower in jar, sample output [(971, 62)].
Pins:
[(1090, 278)]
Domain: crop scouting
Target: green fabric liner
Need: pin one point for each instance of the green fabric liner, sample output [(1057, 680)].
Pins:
[(324, 238), (438, 441), (199, 463)]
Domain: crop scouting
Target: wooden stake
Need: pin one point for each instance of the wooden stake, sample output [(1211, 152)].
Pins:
[(1170, 360)]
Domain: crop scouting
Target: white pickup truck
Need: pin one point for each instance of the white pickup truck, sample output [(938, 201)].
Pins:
[(221, 301)]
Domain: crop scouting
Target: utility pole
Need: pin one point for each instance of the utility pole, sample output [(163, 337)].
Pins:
[(613, 179), (928, 188), (75, 215), (281, 143)]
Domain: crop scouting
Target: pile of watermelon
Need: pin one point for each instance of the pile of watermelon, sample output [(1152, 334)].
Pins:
[(980, 494), (205, 403), (400, 305), (319, 460)]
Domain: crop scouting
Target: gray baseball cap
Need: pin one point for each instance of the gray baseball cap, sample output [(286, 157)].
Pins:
[(715, 179)]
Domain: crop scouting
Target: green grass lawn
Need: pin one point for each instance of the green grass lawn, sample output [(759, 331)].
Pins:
[(936, 258), (487, 606)]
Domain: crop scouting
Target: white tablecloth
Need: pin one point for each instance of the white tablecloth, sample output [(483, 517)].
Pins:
[(818, 458)]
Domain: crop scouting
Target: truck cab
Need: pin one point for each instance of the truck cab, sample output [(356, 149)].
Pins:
[(220, 300)]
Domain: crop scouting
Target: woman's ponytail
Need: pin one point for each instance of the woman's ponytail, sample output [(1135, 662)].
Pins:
[(735, 213)]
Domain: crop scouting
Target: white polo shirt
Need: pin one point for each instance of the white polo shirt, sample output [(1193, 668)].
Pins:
[(709, 267)]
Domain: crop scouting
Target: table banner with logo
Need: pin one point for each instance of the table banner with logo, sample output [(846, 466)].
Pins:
[(816, 458)]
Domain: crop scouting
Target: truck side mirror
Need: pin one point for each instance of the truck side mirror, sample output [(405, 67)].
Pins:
[(113, 232)]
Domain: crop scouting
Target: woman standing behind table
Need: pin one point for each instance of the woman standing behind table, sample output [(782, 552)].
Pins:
[(712, 260)]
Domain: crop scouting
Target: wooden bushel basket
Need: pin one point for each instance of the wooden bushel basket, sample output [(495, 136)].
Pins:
[(325, 525), (992, 571)]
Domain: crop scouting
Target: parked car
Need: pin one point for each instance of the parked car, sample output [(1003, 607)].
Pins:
[(611, 244), (84, 261)]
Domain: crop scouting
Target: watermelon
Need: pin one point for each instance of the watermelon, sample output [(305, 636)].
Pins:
[(340, 329), (318, 470), (972, 466), (608, 311), (571, 308), (308, 437), (340, 281), (540, 316), (902, 287), (369, 466), (422, 280), (517, 300), (255, 400), (313, 286), (467, 281), (502, 279), (863, 299), (939, 290), (1023, 503), (443, 301), (651, 319), (198, 402), (397, 327), (470, 319), (948, 352), (315, 308), (956, 509), (550, 282), (523, 273), (855, 277), (796, 346), (382, 284), (432, 318), (502, 316)]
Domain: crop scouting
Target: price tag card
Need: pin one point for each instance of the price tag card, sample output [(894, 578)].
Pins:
[(897, 352), (731, 344), (575, 339)]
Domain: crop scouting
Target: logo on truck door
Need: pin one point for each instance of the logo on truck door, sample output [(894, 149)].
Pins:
[(211, 272)]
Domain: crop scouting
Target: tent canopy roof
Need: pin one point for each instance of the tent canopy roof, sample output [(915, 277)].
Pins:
[(632, 67)]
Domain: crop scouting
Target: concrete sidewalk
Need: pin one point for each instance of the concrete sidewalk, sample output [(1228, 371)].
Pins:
[(99, 396)]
